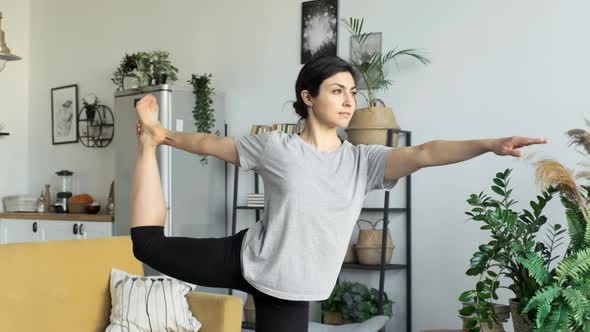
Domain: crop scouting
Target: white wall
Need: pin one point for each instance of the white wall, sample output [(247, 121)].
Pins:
[(499, 69), (14, 101)]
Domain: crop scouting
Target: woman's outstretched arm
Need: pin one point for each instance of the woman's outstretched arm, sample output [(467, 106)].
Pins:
[(407, 160)]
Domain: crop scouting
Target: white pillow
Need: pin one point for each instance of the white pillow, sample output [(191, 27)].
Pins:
[(149, 304)]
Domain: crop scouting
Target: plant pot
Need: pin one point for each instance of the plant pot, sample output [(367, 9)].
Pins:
[(502, 311), (90, 113), (130, 82), (369, 126), (520, 321), (250, 310), (332, 318), (161, 78)]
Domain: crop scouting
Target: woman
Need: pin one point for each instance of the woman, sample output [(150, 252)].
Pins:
[(314, 187)]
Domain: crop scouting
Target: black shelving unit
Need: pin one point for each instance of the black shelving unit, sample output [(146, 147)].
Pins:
[(382, 267)]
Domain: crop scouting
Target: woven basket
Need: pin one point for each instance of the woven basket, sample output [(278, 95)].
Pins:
[(371, 255), (369, 126), (350, 257), (372, 237)]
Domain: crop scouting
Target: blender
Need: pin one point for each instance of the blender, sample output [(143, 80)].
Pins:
[(65, 192)]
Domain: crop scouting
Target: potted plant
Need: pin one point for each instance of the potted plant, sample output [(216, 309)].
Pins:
[(360, 303), (332, 306), (162, 68), (353, 302), (127, 69), (203, 112), (513, 236), (563, 303), (369, 125)]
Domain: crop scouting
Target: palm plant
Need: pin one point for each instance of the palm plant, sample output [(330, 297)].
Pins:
[(373, 67)]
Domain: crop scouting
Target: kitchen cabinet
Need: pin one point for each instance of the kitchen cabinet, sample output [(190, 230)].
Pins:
[(32, 230)]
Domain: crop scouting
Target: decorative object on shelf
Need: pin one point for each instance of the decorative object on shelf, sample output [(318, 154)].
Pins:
[(369, 125), (250, 310), (111, 200), (2, 128), (203, 113), (96, 125), (47, 198), (368, 247), (126, 72), (319, 28), (63, 196), (141, 69), (64, 103), (41, 203), (5, 53)]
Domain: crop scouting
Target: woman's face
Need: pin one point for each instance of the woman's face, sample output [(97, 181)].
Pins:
[(335, 102)]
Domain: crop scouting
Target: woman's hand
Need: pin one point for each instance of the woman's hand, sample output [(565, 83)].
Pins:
[(508, 146)]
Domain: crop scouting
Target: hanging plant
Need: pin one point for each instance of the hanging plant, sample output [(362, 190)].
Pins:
[(203, 111)]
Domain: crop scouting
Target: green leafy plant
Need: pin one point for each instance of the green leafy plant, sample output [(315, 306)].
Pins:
[(513, 236), (563, 304), (203, 112), (161, 64), (356, 302), (373, 67), (334, 302), (127, 67)]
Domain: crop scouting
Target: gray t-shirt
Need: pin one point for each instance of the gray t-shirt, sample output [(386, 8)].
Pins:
[(312, 202)]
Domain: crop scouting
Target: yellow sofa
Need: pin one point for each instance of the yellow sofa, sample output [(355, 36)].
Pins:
[(64, 286)]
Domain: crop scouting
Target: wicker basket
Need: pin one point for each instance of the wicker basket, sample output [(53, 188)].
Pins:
[(371, 255), (350, 257), (369, 126), (372, 237)]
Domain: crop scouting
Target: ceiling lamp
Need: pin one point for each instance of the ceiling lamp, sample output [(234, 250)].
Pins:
[(5, 54)]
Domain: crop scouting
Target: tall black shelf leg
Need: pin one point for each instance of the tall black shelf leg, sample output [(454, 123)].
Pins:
[(409, 243)]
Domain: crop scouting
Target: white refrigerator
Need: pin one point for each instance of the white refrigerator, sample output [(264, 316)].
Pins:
[(195, 193)]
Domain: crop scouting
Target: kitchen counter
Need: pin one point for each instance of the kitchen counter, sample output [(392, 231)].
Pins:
[(57, 216)]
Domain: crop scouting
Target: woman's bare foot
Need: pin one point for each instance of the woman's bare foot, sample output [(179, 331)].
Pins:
[(149, 129)]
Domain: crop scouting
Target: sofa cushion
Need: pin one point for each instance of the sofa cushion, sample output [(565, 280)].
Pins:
[(149, 304)]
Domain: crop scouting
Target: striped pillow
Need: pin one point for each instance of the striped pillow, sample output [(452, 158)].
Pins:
[(149, 304)]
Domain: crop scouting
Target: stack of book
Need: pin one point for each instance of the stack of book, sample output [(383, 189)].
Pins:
[(289, 128), (256, 200)]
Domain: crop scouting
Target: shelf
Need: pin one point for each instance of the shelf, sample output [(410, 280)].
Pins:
[(250, 207), (4, 134), (400, 210), (374, 267)]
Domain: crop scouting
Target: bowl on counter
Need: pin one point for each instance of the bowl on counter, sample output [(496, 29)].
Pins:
[(78, 207), (92, 209)]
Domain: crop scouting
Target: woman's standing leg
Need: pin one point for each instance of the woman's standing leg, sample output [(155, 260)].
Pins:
[(274, 314)]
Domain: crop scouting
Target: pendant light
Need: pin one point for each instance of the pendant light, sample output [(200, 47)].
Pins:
[(5, 54)]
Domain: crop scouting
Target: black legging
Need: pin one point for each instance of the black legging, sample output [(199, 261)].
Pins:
[(216, 262)]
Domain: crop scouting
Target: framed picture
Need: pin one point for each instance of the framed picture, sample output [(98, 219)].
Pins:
[(64, 114), (360, 53), (319, 28)]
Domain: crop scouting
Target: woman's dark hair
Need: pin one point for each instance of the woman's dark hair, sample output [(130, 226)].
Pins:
[(313, 74)]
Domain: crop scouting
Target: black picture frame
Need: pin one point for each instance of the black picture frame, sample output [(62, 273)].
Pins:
[(319, 29), (64, 114)]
